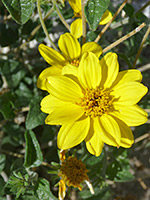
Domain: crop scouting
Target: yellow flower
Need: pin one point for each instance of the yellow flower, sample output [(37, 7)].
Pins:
[(76, 26), (71, 55), (95, 103), (72, 172)]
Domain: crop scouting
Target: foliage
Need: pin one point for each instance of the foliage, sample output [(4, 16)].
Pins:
[(29, 157)]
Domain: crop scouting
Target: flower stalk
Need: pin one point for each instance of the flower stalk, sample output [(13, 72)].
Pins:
[(60, 15), (83, 21), (43, 25), (141, 45), (114, 44)]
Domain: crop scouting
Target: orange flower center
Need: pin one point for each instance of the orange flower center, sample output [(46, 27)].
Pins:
[(96, 102), (75, 62), (77, 14), (73, 172)]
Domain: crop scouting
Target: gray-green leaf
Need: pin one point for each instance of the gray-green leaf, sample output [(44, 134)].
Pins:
[(33, 154), (94, 11), (43, 190), (20, 10), (35, 116)]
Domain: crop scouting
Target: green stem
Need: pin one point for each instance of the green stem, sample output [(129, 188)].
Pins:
[(83, 21), (43, 25), (60, 15), (141, 46), (39, 26)]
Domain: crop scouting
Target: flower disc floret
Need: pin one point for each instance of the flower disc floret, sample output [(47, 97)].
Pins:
[(73, 172), (75, 62), (96, 102)]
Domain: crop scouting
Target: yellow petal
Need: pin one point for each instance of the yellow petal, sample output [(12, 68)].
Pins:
[(50, 71), (91, 131), (76, 28), (72, 134), (76, 5), (95, 144), (51, 56), (108, 129), (89, 71), (64, 88), (107, 16), (127, 138), (131, 115), (128, 76), (128, 93), (70, 69), (92, 47), (110, 67), (50, 103), (62, 190), (69, 46), (66, 113)]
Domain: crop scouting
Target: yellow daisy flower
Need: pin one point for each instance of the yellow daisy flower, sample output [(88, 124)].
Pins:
[(73, 172), (71, 55), (76, 26), (95, 103)]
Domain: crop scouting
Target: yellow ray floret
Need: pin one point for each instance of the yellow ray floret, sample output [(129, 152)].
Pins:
[(71, 54)]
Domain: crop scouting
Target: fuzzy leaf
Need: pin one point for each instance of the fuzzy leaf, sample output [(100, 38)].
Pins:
[(33, 154), (6, 105), (94, 11), (43, 190), (20, 10), (35, 116)]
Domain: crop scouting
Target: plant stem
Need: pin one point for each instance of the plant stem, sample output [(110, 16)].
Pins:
[(143, 7), (83, 22), (38, 26), (22, 156), (141, 46), (43, 25), (124, 37), (144, 68), (108, 24), (60, 15)]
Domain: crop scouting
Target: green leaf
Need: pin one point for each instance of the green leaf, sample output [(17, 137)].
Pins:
[(124, 176), (23, 95), (35, 116), (10, 28), (6, 104), (2, 161), (20, 10), (129, 9), (100, 194), (13, 72), (33, 154), (2, 184), (91, 36), (13, 134), (43, 190), (94, 11)]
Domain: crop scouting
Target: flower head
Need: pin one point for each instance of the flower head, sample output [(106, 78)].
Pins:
[(95, 103), (71, 54), (73, 172), (76, 26)]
